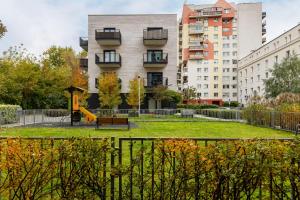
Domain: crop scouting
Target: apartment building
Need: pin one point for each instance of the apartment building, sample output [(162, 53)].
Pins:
[(211, 40), (254, 68), (132, 45)]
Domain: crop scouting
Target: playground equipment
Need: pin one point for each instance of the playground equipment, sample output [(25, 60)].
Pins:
[(76, 109)]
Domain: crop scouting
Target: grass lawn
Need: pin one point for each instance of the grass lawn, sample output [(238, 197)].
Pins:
[(158, 129)]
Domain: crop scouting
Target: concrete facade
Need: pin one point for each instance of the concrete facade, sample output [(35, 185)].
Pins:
[(218, 31), (254, 68), (132, 47)]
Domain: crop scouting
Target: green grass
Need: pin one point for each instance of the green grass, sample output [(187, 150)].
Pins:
[(158, 129)]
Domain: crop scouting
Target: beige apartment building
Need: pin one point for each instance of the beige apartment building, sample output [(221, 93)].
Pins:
[(212, 37), (254, 68), (132, 45)]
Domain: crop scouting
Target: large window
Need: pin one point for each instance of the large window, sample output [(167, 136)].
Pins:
[(154, 78), (110, 56), (154, 56)]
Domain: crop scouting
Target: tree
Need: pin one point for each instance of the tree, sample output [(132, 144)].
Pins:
[(189, 93), (285, 78), (3, 29), (133, 97), (162, 93), (109, 90)]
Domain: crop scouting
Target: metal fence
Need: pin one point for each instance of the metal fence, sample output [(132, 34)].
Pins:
[(149, 168)]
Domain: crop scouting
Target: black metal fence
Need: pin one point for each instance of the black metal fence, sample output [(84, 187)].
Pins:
[(149, 168)]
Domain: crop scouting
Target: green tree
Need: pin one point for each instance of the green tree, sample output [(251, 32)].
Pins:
[(3, 29), (133, 96), (109, 90), (189, 93), (285, 78)]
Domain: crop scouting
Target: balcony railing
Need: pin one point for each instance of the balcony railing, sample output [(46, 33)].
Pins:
[(155, 37), (196, 47), (196, 56), (155, 60), (264, 31), (196, 31), (264, 15), (84, 63), (150, 84), (84, 43), (108, 38), (208, 12), (112, 60)]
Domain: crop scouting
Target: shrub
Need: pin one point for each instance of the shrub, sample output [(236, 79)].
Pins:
[(57, 113), (9, 114), (232, 104), (257, 114), (197, 107)]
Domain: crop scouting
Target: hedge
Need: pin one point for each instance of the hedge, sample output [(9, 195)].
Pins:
[(232, 104), (9, 114), (196, 107)]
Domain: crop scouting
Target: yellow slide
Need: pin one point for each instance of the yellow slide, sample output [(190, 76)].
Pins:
[(89, 117)]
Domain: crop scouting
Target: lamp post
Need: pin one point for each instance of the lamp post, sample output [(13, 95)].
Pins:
[(139, 79)]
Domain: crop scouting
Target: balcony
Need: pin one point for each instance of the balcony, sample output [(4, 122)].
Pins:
[(155, 60), (83, 63), (111, 61), (196, 47), (155, 37), (264, 40), (264, 31), (264, 15), (193, 30), (150, 84), (108, 38), (196, 57), (208, 12), (84, 43)]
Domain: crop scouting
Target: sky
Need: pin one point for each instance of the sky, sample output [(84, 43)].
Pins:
[(38, 24)]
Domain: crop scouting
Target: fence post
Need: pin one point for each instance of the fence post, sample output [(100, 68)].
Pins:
[(33, 116), (112, 167), (24, 117)]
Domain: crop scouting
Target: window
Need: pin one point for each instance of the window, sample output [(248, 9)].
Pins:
[(110, 29), (198, 78), (199, 86), (234, 37), (216, 94), (234, 94), (226, 95), (205, 53), (216, 78), (216, 86), (205, 78), (234, 53), (276, 59), (216, 36), (205, 28), (110, 56), (205, 94), (154, 56), (251, 79), (96, 83), (216, 28), (216, 61), (198, 70), (234, 86), (226, 78), (226, 45), (225, 86), (216, 69), (234, 45), (225, 62), (226, 30), (258, 77), (226, 54), (234, 78), (199, 95), (205, 86), (216, 53), (266, 63), (205, 69), (267, 74), (216, 45), (216, 19), (288, 53), (234, 69), (227, 10)]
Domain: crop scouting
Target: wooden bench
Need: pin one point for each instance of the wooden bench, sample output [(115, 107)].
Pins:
[(112, 121)]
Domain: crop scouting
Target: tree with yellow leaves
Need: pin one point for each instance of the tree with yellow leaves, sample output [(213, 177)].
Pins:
[(133, 97), (109, 90)]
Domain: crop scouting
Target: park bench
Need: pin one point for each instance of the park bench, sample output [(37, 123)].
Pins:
[(187, 113), (112, 122)]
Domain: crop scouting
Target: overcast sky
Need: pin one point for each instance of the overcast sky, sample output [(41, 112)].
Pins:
[(39, 24)]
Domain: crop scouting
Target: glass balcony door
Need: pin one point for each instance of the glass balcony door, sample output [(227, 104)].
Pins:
[(110, 56), (154, 56), (154, 79)]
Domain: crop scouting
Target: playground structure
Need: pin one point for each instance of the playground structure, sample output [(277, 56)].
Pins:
[(76, 109)]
